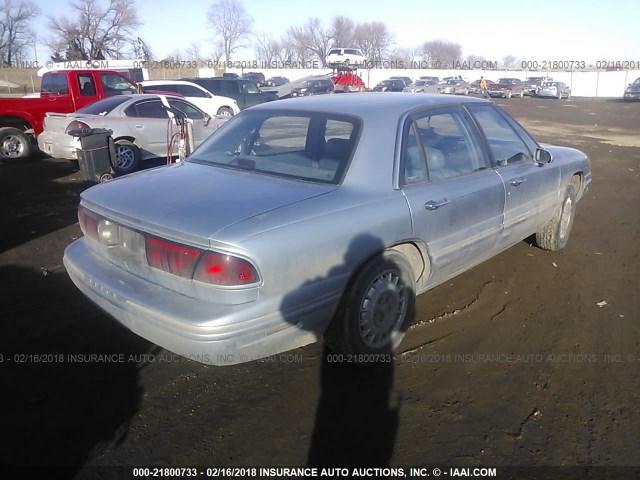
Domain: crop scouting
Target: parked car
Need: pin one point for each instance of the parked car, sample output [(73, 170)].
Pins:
[(390, 85), (454, 87), (244, 92), (139, 123), (533, 84), (474, 87), (321, 214), (632, 92), (199, 96), (407, 80), (422, 86), (316, 86), (62, 91), (506, 87), (558, 90), (276, 81), (256, 77), (346, 57)]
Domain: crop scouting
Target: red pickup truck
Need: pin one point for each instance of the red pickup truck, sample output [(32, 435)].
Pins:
[(62, 91)]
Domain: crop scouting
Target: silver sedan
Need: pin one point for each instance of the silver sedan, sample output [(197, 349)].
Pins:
[(557, 90), (141, 126), (319, 216)]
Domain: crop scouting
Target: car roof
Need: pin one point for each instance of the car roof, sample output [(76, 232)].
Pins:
[(151, 83), (385, 103)]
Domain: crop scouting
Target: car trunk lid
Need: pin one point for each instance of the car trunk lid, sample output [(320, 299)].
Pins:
[(190, 202)]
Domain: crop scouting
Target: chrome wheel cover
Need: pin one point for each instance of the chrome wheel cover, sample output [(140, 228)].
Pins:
[(383, 310), (12, 146)]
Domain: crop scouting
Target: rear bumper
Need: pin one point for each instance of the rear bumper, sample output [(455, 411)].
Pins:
[(210, 333), (59, 146)]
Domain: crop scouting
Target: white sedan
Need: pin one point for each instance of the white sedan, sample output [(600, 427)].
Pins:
[(141, 126), (199, 96)]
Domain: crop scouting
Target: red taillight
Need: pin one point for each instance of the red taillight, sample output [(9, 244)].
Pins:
[(76, 125), (225, 270), (171, 257), (88, 223)]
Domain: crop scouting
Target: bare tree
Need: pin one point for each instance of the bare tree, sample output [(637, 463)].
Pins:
[(297, 41), (193, 53), (143, 50), (442, 53), (509, 61), (267, 48), (310, 41), (15, 33), (474, 59), (373, 39), (230, 21), (342, 31), (319, 38), (94, 32), (403, 56)]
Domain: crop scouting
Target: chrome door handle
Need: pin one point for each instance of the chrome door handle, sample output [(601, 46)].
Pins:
[(434, 205), (517, 181)]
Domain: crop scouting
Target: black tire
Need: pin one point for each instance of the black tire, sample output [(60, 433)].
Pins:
[(127, 157), (14, 144), (377, 308), (225, 111), (555, 234)]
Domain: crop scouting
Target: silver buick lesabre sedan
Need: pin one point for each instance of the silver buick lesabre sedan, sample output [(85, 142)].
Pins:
[(319, 216)]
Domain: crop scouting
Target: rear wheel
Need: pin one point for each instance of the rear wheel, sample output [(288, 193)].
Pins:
[(376, 310), (127, 157), (225, 112), (14, 144)]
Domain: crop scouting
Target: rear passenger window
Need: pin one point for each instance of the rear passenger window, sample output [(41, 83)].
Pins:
[(55, 83), (448, 146), (147, 109), (191, 91)]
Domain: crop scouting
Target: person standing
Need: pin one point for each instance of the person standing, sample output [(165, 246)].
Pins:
[(483, 87)]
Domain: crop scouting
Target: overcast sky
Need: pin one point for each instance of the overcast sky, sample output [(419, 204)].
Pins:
[(537, 30)]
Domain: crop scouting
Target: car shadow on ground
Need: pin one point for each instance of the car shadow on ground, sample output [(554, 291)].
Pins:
[(40, 196), (357, 415), (36, 198), (355, 423), (59, 403)]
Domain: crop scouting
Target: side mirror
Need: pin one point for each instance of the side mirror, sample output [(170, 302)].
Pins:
[(206, 119), (542, 157)]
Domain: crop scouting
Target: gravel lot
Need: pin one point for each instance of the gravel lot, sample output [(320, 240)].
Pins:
[(512, 363)]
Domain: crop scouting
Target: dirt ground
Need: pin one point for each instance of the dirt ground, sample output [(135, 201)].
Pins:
[(516, 362)]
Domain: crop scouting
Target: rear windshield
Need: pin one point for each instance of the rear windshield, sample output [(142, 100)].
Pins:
[(314, 147), (104, 106)]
